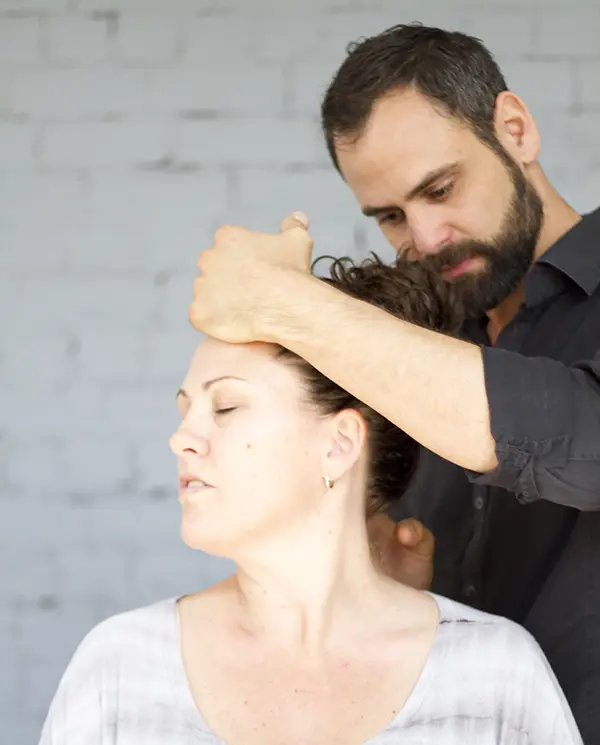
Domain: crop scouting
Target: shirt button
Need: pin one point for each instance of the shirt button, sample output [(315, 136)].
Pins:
[(478, 502), (470, 591)]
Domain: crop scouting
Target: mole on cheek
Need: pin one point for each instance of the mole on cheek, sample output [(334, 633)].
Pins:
[(249, 446)]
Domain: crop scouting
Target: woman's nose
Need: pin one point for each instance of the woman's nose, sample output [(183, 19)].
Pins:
[(183, 440)]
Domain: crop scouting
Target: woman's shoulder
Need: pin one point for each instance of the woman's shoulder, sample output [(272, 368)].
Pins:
[(121, 653), (132, 632), (483, 640), (462, 617), (490, 670)]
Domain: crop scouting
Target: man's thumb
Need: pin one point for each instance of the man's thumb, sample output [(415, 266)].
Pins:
[(294, 220)]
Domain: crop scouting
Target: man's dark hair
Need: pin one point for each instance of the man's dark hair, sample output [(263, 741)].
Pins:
[(453, 70)]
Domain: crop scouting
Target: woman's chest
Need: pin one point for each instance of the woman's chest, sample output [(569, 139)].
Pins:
[(274, 703)]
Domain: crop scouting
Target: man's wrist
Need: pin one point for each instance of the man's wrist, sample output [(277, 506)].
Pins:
[(287, 317)]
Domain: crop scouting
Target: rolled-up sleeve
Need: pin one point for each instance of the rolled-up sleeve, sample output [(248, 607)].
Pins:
[(545, 420)]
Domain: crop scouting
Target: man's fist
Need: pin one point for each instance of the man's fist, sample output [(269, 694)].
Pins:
[(243, 276)]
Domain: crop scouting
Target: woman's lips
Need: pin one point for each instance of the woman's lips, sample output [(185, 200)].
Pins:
[(191, 481), (191, 487), (194, 491)]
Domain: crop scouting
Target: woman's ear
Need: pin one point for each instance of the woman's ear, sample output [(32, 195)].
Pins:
[(346, 442), (516, 128)]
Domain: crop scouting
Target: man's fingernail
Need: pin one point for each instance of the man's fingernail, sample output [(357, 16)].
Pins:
[(301, 217)]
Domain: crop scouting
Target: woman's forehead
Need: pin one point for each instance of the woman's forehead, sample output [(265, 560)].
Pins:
[(256, 362)]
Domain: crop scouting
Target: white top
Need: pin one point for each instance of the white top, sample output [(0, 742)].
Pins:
[(486, 682)]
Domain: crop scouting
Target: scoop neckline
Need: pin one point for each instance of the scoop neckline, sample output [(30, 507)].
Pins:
[(193, 717)]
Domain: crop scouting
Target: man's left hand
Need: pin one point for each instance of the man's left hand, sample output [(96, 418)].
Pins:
[(243, 279)]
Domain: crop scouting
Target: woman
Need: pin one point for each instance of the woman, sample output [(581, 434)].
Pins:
[(308, 642)]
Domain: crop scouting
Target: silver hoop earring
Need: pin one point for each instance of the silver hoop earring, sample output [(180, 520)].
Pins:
[(329, 483)]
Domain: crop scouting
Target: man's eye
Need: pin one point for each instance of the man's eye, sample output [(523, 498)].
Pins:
[(442, 192), (391, 217)]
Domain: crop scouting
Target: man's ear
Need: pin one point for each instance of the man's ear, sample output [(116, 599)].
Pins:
[(516, 129)]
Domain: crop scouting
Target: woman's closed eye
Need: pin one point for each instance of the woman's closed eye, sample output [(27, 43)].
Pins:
[(224, 410)]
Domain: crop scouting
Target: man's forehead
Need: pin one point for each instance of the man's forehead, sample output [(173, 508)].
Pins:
[(404, 129), (407, 115), (399, 166)]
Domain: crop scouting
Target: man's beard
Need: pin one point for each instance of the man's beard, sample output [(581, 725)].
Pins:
[(507, 257)]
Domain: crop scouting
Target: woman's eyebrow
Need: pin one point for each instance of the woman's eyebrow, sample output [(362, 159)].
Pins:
[(206, 385), (210, 383)]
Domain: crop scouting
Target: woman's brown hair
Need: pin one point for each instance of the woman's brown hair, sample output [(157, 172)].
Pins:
[(407, 291)]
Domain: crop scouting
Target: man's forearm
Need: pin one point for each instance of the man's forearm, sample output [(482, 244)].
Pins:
[(430, 385)]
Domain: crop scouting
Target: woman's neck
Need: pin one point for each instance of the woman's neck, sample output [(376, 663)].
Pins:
[(314, 586)]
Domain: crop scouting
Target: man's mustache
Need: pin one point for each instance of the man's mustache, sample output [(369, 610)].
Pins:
[(448, 257)]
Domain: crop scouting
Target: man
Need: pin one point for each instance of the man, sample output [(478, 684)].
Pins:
[(421, 126)]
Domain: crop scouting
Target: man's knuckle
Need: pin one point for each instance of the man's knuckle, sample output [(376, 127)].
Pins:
[(299, 234), (226, 233), (202, 259)]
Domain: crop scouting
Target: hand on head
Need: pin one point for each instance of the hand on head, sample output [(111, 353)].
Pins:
[(241, 271), (231, 298)]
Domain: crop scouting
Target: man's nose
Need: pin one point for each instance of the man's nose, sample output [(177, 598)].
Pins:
[(429, 237)]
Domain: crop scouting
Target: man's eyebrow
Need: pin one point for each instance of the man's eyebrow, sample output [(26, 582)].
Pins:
[(207, 384), (450, 169), (369, 211), (425, 183)]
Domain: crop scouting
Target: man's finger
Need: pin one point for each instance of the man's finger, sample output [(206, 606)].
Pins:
[(408, 533), (294, 220), (412, 533)]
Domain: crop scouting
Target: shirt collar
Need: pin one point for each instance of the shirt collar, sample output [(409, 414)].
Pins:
[(576, 254)]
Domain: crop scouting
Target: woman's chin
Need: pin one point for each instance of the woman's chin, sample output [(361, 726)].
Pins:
[(228, 534), (200, 536)]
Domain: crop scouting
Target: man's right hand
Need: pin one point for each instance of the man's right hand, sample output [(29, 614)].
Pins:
[(403, 550)]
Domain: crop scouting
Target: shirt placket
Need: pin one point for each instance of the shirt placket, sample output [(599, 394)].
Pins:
[(511, 338), (472, 586)]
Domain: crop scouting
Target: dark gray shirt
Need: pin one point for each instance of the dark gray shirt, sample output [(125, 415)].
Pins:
[(524, 540)]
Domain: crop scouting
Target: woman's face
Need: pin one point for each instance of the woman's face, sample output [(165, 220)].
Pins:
[(252, 451)]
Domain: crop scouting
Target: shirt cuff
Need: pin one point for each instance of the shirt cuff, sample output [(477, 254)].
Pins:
[(526, 420)]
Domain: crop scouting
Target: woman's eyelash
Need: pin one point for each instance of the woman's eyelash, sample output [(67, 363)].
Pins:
[(225, 410)]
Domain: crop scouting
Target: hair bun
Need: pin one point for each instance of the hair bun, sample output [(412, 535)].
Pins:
[(405, 289)]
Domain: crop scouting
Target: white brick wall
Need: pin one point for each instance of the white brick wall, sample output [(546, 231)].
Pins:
[(129, 129)]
